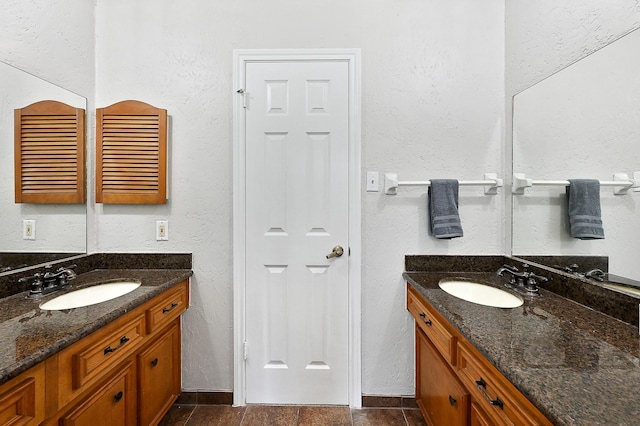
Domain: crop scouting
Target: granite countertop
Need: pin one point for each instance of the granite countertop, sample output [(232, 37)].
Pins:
[(577, 365), (29, 335)]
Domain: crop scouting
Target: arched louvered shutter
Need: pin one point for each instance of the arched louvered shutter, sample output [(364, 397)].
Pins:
[(131, 151), (49, 153)]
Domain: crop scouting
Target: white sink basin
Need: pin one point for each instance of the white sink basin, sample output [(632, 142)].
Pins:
[(480, 293), (90, 295)]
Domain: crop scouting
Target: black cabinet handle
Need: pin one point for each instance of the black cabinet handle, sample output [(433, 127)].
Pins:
[(117, 397), (173, 305), (452, 400), (424, 319), (154, 362), (482, 386), (109, 349)]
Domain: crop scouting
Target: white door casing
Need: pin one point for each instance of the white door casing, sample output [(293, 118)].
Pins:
[(296, 195)]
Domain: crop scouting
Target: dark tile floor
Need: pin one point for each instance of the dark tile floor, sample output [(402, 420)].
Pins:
[(258, 415)]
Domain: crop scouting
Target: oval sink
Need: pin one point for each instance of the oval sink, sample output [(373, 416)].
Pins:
[(480, 294), (90, 295)]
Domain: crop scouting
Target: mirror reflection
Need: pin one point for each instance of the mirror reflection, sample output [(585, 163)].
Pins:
[(60, 229), (582, 122)]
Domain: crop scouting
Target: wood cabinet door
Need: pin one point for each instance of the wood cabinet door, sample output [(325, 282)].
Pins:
[(159, 376), (441, 397), (112, 403)]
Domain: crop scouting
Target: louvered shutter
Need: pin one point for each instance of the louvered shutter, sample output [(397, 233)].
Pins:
[(131, 163), (49, 153)]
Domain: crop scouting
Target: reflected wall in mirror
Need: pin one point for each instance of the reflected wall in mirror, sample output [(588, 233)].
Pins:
[(582, 122), (60, 229)]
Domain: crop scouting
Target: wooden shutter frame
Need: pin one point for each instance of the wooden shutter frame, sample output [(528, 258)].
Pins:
[(123, 109), (43, 196)]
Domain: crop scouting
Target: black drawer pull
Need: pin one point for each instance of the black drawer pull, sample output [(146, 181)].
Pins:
[(154, 362), (117, 397), (424, 319), (109, 349), (482, 386), (173, 305), (452, 400)]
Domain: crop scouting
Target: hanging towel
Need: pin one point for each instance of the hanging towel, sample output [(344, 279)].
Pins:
[(444, 219), (583, 198)]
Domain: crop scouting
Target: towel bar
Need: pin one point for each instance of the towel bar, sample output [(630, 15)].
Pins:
[(491, 183), (621, 183)]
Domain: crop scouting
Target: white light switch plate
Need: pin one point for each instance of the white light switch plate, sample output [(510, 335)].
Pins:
[(373, 179)]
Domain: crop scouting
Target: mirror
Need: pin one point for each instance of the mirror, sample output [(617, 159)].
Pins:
[(60, 229), (582, 122)]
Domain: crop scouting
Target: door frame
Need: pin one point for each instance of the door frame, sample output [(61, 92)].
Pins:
[(240, 58)]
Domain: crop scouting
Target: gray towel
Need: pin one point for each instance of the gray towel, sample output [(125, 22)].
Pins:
[(444, 219), (583, 206)]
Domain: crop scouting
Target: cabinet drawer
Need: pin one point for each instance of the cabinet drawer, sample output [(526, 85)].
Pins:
[(168, 308), (433, 325), (102, 353), (87, 361), (114, 402), (22, 399), (493, 393)]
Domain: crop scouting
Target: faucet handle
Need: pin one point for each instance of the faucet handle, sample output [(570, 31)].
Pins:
[(510, 267), (37, 284)]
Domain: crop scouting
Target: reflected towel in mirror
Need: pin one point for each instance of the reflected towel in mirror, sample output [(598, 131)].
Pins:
[(583, 207)]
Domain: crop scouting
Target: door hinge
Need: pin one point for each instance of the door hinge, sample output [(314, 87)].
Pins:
[(349, 252), (245, 351), (244, 99)]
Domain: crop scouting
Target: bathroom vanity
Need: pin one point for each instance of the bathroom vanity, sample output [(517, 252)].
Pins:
[(118, 360), (549, 361)]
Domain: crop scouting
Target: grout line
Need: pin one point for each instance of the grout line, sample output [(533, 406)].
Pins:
[(190, 415)]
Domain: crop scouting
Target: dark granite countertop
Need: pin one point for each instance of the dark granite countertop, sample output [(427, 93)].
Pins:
[(577, 365), (29, 335)]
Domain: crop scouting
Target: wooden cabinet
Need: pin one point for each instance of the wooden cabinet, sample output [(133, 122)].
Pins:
[(448, 365), (126, 373), (159, 376), (22, 399), (499, 400), (112, 403), (440, 396)]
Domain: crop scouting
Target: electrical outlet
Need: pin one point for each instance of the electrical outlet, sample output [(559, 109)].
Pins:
[(162, 230), (28, 229)]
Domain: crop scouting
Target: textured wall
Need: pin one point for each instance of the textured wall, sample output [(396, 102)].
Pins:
[(432, 107), (544, 36), (51, 39)]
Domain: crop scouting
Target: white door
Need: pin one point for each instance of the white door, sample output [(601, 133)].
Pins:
[(297, 210)]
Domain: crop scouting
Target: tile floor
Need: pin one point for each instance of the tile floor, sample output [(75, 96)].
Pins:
[(256, 415)]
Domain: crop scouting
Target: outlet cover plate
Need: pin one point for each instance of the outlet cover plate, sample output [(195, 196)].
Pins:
[(162, 230), (29, 229)]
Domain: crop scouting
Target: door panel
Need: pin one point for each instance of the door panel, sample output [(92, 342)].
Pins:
[(297, 178)]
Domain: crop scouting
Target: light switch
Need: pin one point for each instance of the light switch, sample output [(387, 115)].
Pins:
[(373, 181)]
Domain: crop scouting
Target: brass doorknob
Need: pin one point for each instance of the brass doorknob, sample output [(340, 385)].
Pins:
[(336, 252)]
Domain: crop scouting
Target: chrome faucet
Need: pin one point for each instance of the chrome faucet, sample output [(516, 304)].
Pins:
[(43, 283), (524, 282)]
